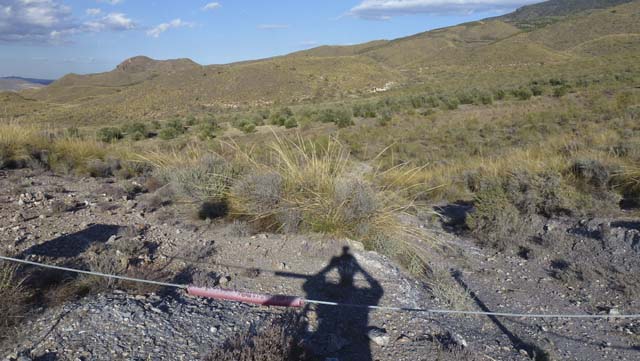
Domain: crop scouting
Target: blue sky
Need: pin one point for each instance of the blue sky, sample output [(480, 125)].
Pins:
[(49, 38)]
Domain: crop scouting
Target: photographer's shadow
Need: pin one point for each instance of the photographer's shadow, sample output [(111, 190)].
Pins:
[(340, 331)]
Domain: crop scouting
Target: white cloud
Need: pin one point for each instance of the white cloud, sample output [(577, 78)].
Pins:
[(38, 21), (386, 9), (211, 6), (112, 21), (33, 20), (273, 26), (110, 2), (93, 12), (161, 28)]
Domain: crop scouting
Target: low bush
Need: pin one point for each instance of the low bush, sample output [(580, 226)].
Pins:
[(109, 134), (449, 103), (341, 117), (495, 221), (590, 174), (207, 130), (499, 94), (172, 129), (204, 179), (280, 116), (290, 123), (364, 110), (522, 93), (503, 206), (561, 91), (136, 131), (279, 341), (537, 90)]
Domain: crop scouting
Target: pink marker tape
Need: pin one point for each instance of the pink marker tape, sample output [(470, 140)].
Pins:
[(246, 297)]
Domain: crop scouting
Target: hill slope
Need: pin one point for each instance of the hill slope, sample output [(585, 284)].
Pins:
[(497, 51)]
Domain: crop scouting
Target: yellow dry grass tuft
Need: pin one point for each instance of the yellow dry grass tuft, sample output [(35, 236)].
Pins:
[(309, 186)]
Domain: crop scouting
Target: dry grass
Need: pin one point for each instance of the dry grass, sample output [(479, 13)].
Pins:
[(194, 173), (279, 341), (13, 297), (309, 186)]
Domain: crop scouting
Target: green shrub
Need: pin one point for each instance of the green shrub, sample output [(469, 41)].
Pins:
[(485, 98), (495, 221), (206, 130), (280, 117), (191, 121), (557, 82), (341, 117), (290, 123), (385, 117), (499, 94), (136, 131), (522, 93), (418, 101), (560, 91), (466, 97), (248, 128), (449, 103), (536, 90), (109, 134), (168, 133), (172, 129), (365, 110)]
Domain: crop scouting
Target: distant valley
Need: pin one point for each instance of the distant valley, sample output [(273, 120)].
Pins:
[(14, 83)]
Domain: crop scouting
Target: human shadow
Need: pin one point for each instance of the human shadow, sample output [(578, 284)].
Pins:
[(339, 331)]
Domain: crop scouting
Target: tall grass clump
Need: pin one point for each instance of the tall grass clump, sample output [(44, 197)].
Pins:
[(13, 297), (18, 143), (305, 186), (195, 174)]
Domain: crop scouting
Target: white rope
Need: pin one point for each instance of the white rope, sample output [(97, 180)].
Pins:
[(92, 273), (474, 313), (337, 304)]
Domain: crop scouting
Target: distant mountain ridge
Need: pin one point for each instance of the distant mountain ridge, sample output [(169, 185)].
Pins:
[(30, 80), (491, 52), (16, 83)]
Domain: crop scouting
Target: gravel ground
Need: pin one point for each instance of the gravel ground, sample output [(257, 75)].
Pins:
[(575, 268)]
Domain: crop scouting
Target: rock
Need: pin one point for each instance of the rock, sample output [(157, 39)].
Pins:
[(213, 329), (224, 280), (614, 312), (18, 217), (378, 336)]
